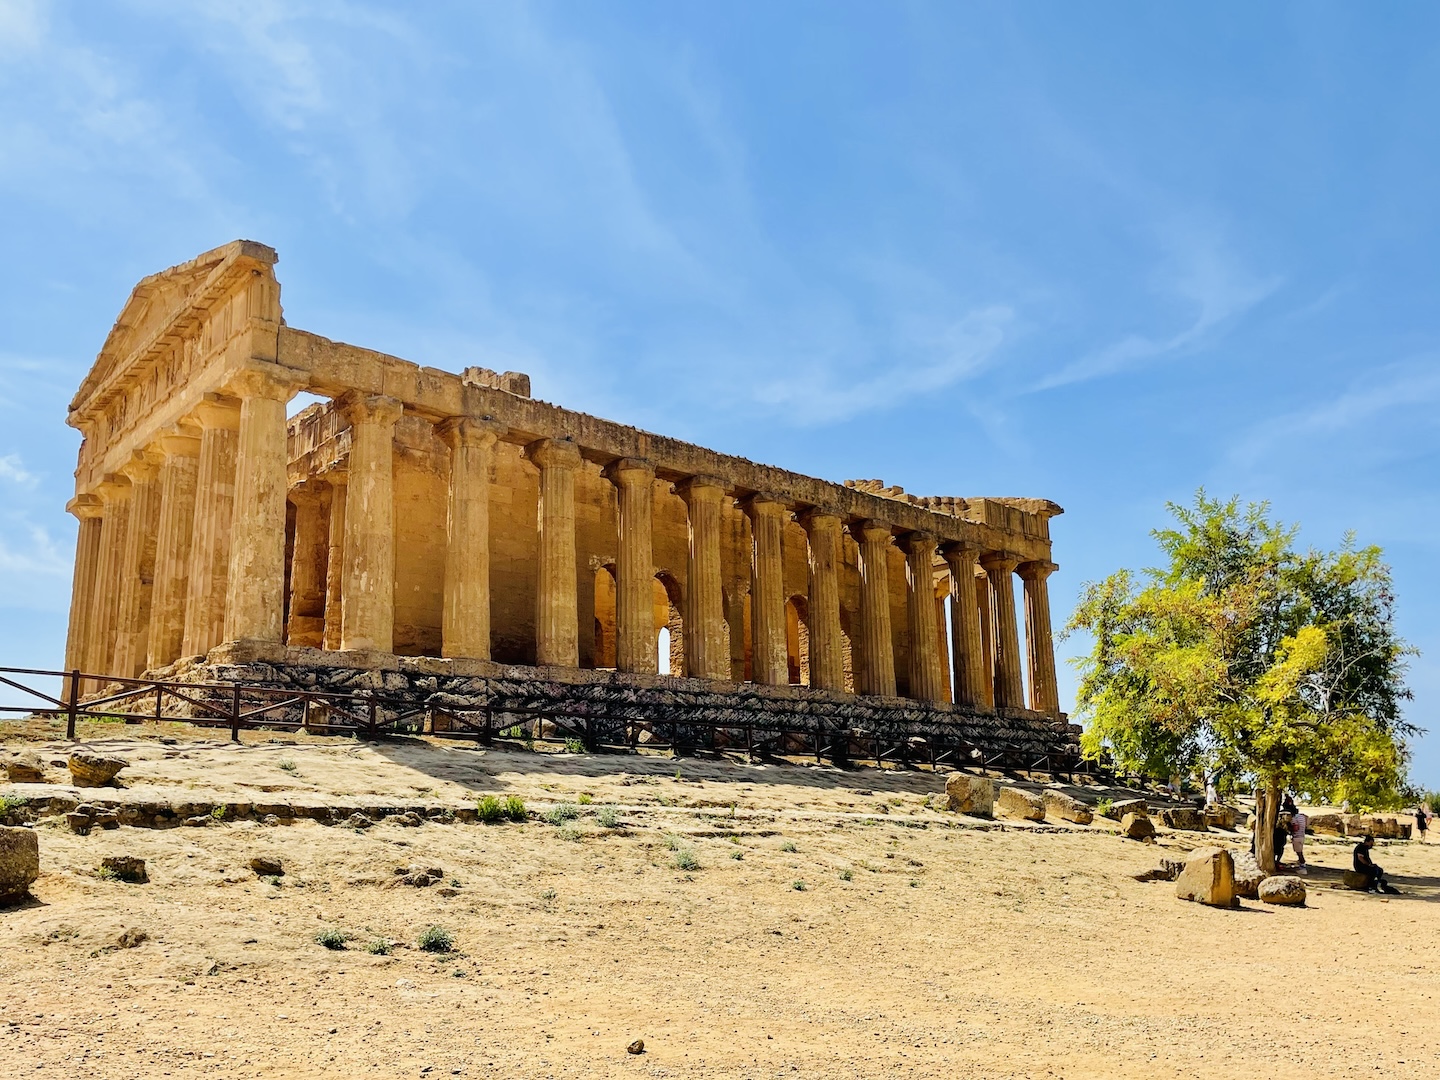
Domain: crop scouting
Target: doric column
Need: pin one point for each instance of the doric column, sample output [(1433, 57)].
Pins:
[(557, 633), (219, 420), (1009, 690), (309, 560), (926, 682), (1039, 644), (972, 684), (178, 477), (876, 643), (114, 494), (465, 625), (827, 659), (335, 558), (704, 599), (255, 594), (634, 481), (87, 510), (367, 614), (769, 660), (137, 570)]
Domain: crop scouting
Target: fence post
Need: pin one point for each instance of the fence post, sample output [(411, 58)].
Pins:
[(71, 704), (373, 709), (235, 714)]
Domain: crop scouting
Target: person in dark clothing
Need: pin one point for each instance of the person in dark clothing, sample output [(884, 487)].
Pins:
[(1421, 823), (1374, 875)]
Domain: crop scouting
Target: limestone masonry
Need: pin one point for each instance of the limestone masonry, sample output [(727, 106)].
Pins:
[(422, 513)]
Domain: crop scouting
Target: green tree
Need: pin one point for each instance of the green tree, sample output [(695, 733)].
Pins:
[(1246, 657)]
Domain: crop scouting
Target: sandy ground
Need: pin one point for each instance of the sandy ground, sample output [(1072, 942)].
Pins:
[(895, 939)]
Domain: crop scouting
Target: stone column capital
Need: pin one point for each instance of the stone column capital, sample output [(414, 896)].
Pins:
[(999, 562), (813, 517), (471, 432), (553, 454), (113, 487), (917, 543), (870, 530), (307, 492), (960, 550), (180, 442), (1036, 570), (144, 465), (629, 470), (85, 506), (764, 504), (361, 408), (218, 411), (271, 382), (691, 485)]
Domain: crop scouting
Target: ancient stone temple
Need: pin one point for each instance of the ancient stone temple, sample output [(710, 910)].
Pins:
[(426, 523)]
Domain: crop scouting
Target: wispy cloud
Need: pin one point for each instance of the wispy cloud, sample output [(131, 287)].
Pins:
[(13, 471)]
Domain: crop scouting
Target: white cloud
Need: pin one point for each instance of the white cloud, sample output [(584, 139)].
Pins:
[(12, 470)]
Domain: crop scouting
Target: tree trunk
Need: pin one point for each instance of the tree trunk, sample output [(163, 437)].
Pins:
[(1267, 809)]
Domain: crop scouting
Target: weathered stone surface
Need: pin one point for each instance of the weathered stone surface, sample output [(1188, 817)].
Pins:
[(127, 868), (1326, 824), (1208, 878), (19, 862), (130, 938), (25, 768), (1066, 807), (1380, 826), (973, 795), (1282, 889), (1136, 827), (1168, 870), (94, 770), (267, 866), (1248, 876), (1220, 816), (420, 877), (79, 823), (1015, 802), (1118, 808), (1185, 818), (1353, 880)]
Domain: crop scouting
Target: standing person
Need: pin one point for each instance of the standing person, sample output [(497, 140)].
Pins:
[(1422, 822), (1298, 822)]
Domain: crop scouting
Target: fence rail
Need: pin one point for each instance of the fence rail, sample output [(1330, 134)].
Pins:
[(516, 717)]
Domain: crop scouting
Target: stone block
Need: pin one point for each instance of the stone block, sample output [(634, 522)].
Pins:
[(973, 795), (1353, 880), (1248, 876), (1282, 889), (94, 770), (1015, 802), (1136, 827), (25, 768), (1066, 807), (1326, 824), (1208, 878), (1118, 808), (1220, 816), (1185, 818), (19, 862)]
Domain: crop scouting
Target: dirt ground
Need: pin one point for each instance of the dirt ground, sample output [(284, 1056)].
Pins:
[(838, 924)]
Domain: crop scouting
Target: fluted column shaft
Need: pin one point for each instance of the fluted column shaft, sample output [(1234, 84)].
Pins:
[(705, 654), (209, 575), (465, 625), (367, 616), (308, 565), (87, 510), (926, 682), (335, 558), (827, 660), (1039, 642), (635, 648), (255, 594), (114, 493), (137, 570), (876, 643), (557, 632), (971, 681), (178, 476), (769, 664), (1009, 689)]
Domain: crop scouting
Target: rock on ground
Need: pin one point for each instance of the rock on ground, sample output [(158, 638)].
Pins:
[(1354, 880), (1282, 889), (25, 768), (267, 866), (1326, 824), (1208, 878), (126, 868), (1120, 807), (1168, 870), (974, 795), (1018, 803), (1185, 818), (1220, 816), (1136, 827), (19, 862), (1248, 876), (94, 770), (1066, 807)]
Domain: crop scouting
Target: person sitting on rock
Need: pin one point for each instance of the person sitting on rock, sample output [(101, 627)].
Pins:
[(1374, 875)]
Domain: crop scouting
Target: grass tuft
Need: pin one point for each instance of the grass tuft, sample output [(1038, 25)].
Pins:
[(380, 947), (608, 817), (288, 765), (562, 812), (685, 859), (847, 875), (789, 845), (436, 939), (515, 808), (332, 938), (798, 886), (490, 810)]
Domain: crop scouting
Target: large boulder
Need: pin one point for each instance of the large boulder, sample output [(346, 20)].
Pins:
[(1186, 818), (1354, 880), (1017, 803), (25, 768), (1220, 816), (94, 770), (19, 862), (1248, 876), (1065, 807), (974, 795), (1282, 889), (1208, 878), (1118, 808), (1136, 827), (1325, 824)]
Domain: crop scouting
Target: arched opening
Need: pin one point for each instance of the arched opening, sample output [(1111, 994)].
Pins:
[(797, 640), (669, 626), (605, 617)]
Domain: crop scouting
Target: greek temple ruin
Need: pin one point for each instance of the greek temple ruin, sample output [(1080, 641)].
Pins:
[(422, 523)]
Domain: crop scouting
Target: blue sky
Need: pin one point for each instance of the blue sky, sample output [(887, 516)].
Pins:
[(1100, 253)]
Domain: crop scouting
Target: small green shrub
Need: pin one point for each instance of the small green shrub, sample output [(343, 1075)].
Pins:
[(286, 764), (574, 746), (685, 859), (515, 808), (798, 886), (219, 812), (490, 810), (516, 732), (548, 895), (1103, 807), (12, 802), (436, 939), (560, 813), (332, 938), (608, 817), (105, 873), (569, 832), (737, 855), (585, 798), (847, 875), (380, 947), (789, 845)]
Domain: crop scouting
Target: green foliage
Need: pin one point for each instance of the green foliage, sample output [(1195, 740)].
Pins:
[(332, 938), (607, 817), (574, 746), (685, 859), (1246, 657), (788, 845), (1102, 807), (514, 808), (490, 810), (436, 939), (286, 764), (798, 886), (737, 855), (380, 947), (569, 832), (219, 811), (12, 802), (562, 812), (105, 873), (585, 798), (847, 875)]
